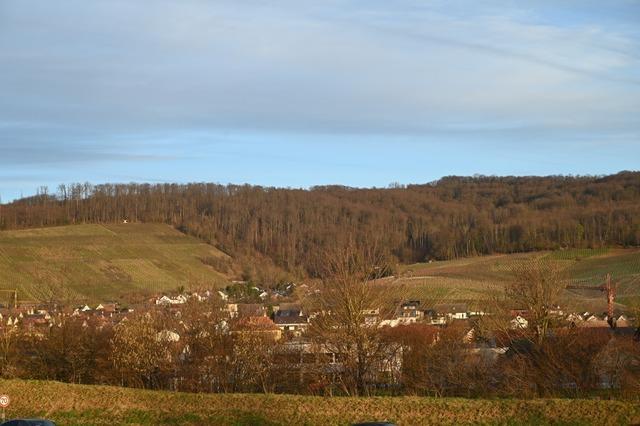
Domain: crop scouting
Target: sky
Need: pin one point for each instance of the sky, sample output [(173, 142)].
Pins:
[(300, 93)]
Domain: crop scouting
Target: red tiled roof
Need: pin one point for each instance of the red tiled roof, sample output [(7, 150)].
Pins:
[(256, 323)]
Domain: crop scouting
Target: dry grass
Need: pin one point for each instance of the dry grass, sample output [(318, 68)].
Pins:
[(102, 405)]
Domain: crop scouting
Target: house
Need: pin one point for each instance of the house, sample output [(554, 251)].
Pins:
[(434, 318), (257, 326), (594, 321), (284, 292), (166, 300), (110, 308), (574, 319), (44, 313), (556, 310), (518, 323), (622, 321), (453, 311), (371, 316), (390, 323), (306, 357), (409, 312), (469, 336), (245, 310), (477, 313), (291, 321), (232, 310), (35, 320)]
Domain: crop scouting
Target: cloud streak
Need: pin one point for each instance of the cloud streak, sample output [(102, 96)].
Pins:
[(110, 86)]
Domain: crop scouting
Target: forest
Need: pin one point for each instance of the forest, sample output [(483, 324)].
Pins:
[(449, 218)]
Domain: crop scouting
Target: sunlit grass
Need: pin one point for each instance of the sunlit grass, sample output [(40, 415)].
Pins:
[(103, 405)]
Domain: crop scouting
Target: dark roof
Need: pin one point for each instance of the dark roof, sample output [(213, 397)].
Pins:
[(303, 319), (290, 316), (288, 313), (450, 308)]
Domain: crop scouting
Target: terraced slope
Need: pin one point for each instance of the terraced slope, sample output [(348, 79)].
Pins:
[(103, 262)]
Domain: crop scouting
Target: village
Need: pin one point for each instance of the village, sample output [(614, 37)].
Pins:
[(285, 323), (288, 317), (284, 318)]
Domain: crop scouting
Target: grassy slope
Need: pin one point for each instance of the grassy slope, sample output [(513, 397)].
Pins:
[(475, 279), (97, 262), (103, 405)]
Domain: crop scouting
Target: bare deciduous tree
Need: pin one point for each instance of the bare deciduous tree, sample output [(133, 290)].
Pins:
[(138, 353), (536, 286), (352, 306)]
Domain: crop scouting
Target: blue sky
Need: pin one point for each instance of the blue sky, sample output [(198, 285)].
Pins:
[(300, 93)]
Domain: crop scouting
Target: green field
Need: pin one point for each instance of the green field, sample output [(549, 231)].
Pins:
[(103, 262), (475, 280), (103, 405)]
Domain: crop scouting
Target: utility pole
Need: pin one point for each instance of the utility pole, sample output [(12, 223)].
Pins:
[(610, 290), (611, 295)]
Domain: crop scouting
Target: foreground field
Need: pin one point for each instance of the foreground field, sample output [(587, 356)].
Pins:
[(103, 405), (102, 262)]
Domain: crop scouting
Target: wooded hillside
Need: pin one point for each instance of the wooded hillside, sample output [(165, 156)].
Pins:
[(450, 218)]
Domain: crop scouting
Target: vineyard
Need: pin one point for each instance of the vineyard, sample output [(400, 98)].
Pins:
[(477, 280), (98, 263)]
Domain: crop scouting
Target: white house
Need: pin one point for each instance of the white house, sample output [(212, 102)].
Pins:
[(518, 323), (178, 300)]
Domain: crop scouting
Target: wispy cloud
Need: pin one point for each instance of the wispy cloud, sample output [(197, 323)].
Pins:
[(124, 84)]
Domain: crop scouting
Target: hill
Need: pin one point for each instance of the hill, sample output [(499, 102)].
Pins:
[(127, 261), (103, 405), (476, 279), (104, 262), (452, 218)]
